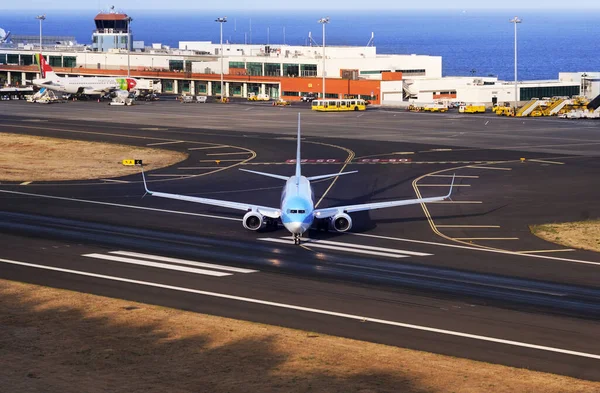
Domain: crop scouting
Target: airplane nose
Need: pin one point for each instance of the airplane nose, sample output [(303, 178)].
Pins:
[(294, 227)]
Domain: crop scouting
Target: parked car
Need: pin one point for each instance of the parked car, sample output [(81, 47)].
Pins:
[(309, 97)]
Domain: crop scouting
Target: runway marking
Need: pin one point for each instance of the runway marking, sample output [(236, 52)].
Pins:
[(208, 147), (358, 318), (153, 129), (119, 205), (168, 174), (337, 248), (443, 185), (228, 154), (132, 261), (548, 162), (457, 176), (116, 181), (184, 262), (196, 167), (486, 238), (348, 161), (491, 168), (231, 160), (542, 251), (456, 202), (468, 226), (362, 246), (26, 183), (164, 143)]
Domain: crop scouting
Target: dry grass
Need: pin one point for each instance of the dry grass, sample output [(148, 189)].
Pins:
[(584, 235), (33, 158), (60, 341)]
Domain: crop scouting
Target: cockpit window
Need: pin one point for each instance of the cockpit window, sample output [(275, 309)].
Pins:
[(293, 211), (301, 211)]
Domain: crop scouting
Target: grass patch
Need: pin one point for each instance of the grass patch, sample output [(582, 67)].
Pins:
[(61, 341), (34, 158), (584, 235)]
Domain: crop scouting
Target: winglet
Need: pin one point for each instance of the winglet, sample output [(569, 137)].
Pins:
[(298, 171), (451, 186), (144, 179)]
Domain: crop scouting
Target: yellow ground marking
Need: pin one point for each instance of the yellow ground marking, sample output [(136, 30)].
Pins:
[(226, 154), (348, 159), (468, 226), (542, 251), (444, 185), (487, 167), (25, 183), (486, 238), (548, 162), (387, 154), (252, 152), (428, 215), (457, 176), (208, 147), (164, 143)]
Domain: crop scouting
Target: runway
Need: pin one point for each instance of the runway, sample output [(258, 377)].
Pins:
[(464, 277)]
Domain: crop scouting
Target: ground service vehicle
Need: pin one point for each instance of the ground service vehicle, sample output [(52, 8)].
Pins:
[(339, 105), (281, 102), (477, 108), (258, 97), (435, 108)]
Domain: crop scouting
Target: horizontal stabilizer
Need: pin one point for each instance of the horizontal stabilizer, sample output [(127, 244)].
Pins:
[(330, 175), (266, 174)]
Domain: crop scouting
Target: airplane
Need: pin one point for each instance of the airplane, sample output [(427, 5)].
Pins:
[(87, 85), (297, 211)]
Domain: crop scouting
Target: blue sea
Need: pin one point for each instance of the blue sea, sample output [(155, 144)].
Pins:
[(473, 42)]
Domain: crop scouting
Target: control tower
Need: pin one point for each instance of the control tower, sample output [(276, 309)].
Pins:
[(112, 31)]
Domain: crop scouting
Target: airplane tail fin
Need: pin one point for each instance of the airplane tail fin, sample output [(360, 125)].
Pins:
[(298, 158), (45, 70)]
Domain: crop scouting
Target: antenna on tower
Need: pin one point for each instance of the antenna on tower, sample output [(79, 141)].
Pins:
[(372, 40), (310, 40)]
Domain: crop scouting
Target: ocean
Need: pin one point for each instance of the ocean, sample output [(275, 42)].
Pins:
[(470, 42)]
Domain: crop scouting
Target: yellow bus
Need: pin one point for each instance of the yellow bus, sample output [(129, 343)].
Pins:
[(353, 104)]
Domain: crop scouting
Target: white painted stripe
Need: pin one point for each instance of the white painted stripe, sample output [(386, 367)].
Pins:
[(208, 147), (220, 160), (489, 167), (115, 181), (164, 143), (457, 176), (494, 251), (443, 185), (346, 249), (359, 318), (456, 202), (157, 265), (542, 251), (119, 205), (548, 162), (25, 183), (486, 238), (184, 262), (197, 167), (228, 154), (468, 226), (362, 246), (168, 174)]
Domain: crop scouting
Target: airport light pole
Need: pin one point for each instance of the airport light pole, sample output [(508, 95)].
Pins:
[(129, 19), (516, 20), (324, 21), (41, 18), (221, 21)]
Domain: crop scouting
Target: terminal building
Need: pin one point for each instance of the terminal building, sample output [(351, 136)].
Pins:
[(281, 71)]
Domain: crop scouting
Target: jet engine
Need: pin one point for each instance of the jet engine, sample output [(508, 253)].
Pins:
[(253, 221), (341, 222)]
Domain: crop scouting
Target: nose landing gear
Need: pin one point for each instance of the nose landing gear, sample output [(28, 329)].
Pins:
[(297, 239)]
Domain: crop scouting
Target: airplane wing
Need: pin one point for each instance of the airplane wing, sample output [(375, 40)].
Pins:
[(332, 211), (264, 210)]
